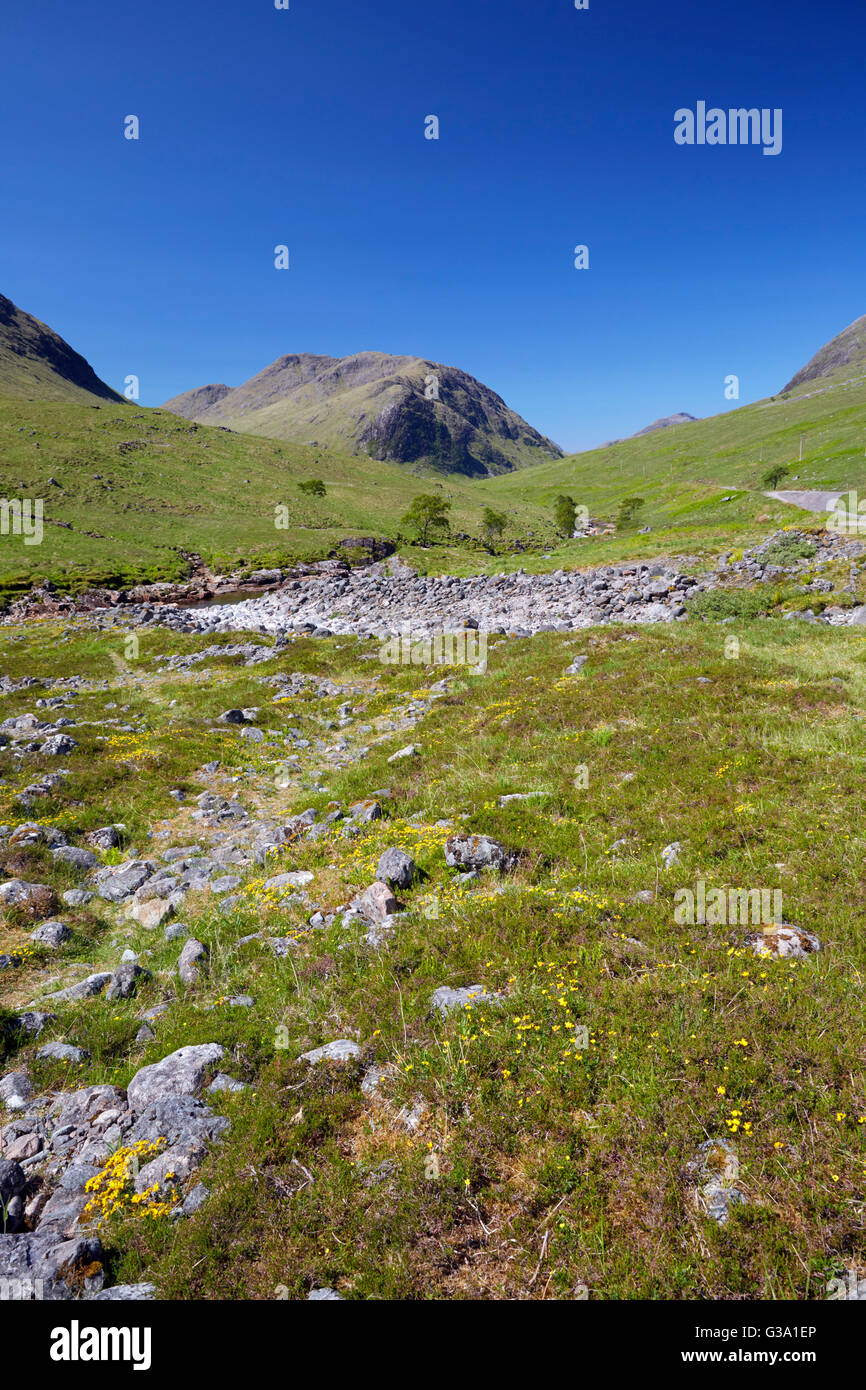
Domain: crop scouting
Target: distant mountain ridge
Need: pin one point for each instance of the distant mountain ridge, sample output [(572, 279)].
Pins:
[(401, 409), (683, 418), (36, 362)]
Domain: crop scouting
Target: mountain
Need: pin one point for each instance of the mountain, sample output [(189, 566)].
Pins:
[(846, 353), (37, 363), (666, 420), (398, 409)]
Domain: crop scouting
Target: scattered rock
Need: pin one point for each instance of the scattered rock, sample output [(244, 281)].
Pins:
[(193, 961)]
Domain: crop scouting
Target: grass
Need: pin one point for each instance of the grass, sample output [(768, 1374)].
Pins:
[(136, 492), (536, 1168), (702, 482)]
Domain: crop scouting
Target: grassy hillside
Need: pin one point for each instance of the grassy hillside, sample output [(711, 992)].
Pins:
[(37, 364), (558, 1171), (136, 488), (685, 473)]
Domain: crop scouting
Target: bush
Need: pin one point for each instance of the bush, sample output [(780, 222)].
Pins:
[(788, 551), (743, 604)]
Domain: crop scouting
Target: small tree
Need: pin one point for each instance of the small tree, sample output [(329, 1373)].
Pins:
[(314, 487), (427, 512), (492, 525), (564, 510), (627, 513), (774, 476)]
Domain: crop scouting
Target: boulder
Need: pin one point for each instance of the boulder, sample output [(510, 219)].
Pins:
[(464, 851), (397, 868), (341, 1050), (181, 1073), (192, 962)]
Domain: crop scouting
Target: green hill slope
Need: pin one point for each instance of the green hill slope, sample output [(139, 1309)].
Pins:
[(35, 362), (129, 492), (702, 481)]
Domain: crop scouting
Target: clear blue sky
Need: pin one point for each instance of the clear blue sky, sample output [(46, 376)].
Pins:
[(306, 127)]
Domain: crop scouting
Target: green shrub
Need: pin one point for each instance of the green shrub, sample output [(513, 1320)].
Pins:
[(743, 604)]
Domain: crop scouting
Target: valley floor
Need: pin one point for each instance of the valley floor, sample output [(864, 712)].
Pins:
[(549, 1082)]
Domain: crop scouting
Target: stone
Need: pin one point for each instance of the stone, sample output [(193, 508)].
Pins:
[(397, 868), (152, 913), (12, 1180), (25, 1146), (446, 1000), (410, 751), (670, 854), (376, 902), (85, 989), (341, 1050), (78, 858), (181, 1073), (363, 812), (192, 961), (715, 1169), (57, 745), (225, 883), (222, 1082), (195, 1199), (299, 878), (126, 980), (63, 1052), (785, 941), (33, 900), (76, 897), (117, 884), (576, 666), (124, 1293), (324, 1296), (31, 1022), (106, 837), (76, 1177), (464, 851), (51, 934), (44, 1261)]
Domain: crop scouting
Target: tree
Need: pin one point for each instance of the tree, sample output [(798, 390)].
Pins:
[(774, 476), (627, 514), (564, 509), (427, 511), (492, 525), (314, 487)]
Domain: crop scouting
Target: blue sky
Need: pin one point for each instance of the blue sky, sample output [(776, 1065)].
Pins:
[(306, 127)]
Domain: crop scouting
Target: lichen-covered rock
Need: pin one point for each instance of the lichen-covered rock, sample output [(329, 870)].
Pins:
[(181, 1073), (464, 851)]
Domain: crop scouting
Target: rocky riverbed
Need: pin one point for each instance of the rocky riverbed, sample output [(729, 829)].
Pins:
[(388, 599)]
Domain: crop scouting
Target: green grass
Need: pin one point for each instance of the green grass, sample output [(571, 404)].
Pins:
[(184, 489), (684, 473), (554, 1172)]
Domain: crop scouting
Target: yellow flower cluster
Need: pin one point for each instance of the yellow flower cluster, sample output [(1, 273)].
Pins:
[(113, 1187)]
